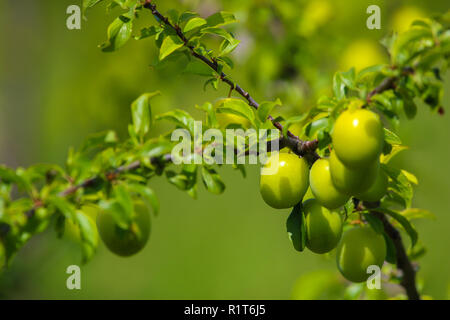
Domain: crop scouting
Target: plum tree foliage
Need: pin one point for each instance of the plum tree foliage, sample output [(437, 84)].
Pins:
[(348, 138)]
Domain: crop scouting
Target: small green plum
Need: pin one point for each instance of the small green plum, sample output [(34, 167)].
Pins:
[(284, 180), (323, 227), (125, 242), (358, 137), (377, 190), (359, 248), (322, 186), (352, 181)]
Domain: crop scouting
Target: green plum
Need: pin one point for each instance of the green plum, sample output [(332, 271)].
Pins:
[(360, 247), (352, 181), (322, 186), (358, 137), (323, 227), (284, 180), (377, 190), (125, 242)]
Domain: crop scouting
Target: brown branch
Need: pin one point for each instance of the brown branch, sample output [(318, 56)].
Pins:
[(403, 263), (301, 148)]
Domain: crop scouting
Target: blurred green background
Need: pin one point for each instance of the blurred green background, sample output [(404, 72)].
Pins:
[(56, 87)]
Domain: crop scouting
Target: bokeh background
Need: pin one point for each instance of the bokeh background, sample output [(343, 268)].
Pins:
[(56, 87)]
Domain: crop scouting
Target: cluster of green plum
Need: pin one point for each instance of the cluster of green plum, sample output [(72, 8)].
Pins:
[(352, 170), (119, 240)]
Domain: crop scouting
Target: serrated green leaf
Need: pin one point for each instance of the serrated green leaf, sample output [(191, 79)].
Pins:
[(194, 23), (236, 106), (296, 228), (148, 32), (415, 213), (142, 114), (88, 235), (399, 184), (180, 117), (391, 138), (374, 222), (169, 45), (147, 194), (220, 19), (212, 180), (63, 206), (119, 32), (90, 3), (265, 108), (409, 228)]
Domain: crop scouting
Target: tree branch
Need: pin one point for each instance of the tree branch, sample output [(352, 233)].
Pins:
[(301, 148), (409, 274)]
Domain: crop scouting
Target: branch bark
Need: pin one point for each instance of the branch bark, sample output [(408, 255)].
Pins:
[(301, 147), (403, 263)]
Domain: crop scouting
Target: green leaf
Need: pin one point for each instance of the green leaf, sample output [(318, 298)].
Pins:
[(219, 32), (194, 23), (338, 86), (142, 114), (238, 107), (212, 180), (123, 197), (296, 228), (414, 213), (89, 3), (148, 32), (220, 19), (209, 109), (391, 138), (121, 217), (119, 32), (147, 194), (265, 108), (169, 45), (155, 148), (180, 117), (63, 206), (100, 140), (88, 235), (400, 184), (374, 222), (199, 68), (409, 228), (396, 149), (391, 252)]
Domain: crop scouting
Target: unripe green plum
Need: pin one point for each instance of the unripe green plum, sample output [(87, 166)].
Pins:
[(284, 180), (358, 137), (359, 248), (377, 190), (352, 181), (125, 242), (322, 186), (323, 227)]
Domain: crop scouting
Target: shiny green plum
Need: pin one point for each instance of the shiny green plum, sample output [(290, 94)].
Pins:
[(322, 186), (284, 180), (323, 227), (360, 247), (125, 242), (358, 137), (352, 181), (377, 190)]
